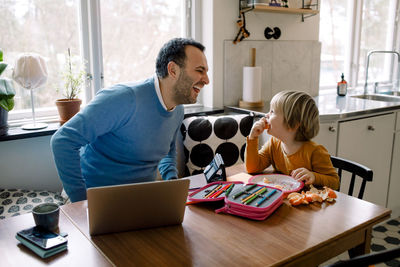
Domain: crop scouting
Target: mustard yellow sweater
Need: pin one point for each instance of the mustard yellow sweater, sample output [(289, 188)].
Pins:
[(311, 156)]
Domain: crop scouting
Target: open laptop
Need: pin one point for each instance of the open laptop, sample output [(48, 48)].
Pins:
[(126, 207)]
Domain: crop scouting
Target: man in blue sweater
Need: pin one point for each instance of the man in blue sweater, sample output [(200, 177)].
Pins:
[(129, 130)]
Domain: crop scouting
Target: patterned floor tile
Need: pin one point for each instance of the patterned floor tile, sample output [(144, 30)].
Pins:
[(394, 233), (378, 241), (380, 229), (390, 246), (379, 234), (376, 247), (392, 240), (392, 228), (394, 222), (344, 256)]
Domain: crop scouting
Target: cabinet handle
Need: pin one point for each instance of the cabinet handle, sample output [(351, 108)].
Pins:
[(332, 129), (371, 128)]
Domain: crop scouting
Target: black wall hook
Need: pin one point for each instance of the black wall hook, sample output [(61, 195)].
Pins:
[(272, 33)]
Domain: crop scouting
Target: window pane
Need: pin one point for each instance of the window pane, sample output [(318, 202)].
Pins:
[(132, 34), (374, 33), (46, 27), (332, 35)]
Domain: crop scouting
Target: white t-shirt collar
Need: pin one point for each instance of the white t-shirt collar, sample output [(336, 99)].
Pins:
[(158, 91)]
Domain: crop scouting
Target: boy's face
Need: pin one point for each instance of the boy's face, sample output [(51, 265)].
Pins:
[(275, 121), (277, 127)]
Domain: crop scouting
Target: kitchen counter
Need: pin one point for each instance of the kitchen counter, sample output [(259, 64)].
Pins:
[(333, 107)]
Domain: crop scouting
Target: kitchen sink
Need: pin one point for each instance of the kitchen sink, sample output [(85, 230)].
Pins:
[(395, 93), (383, 98)]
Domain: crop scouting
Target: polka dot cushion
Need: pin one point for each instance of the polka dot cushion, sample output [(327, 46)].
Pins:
[(15, 202), (203, 137)]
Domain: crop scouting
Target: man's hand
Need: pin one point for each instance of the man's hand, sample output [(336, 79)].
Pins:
[(302, 174)]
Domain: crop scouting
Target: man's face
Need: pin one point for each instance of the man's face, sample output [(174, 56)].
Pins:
[(192, 77)]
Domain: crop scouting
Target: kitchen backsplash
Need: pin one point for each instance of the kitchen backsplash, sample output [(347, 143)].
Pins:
[(286, 65)]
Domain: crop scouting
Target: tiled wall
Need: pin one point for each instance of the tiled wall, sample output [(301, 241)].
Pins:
[(286, 65)]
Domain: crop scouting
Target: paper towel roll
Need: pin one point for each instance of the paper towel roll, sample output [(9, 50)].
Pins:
[(252, 84)]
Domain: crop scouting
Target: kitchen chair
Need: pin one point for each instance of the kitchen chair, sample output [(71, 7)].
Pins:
[(356, 170), (369, 259)]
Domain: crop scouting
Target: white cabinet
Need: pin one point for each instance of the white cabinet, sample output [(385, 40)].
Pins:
[(394, 184), (369, 141), (327, 136)]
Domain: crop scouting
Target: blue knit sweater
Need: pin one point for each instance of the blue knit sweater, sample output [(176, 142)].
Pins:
[(120, 137)]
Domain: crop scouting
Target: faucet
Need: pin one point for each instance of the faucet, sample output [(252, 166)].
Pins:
[(366, 68)]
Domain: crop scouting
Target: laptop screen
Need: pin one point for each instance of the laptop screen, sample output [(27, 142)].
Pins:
[(136, 206)]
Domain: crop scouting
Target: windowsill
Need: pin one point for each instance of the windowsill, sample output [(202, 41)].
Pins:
[(16, 132)]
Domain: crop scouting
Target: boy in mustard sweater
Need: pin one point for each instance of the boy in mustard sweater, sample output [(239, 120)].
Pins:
[(293, 120)]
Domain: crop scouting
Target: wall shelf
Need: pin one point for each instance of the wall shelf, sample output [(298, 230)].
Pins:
[(304, 12)]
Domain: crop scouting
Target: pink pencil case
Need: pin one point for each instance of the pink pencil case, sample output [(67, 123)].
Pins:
[(261, 201)]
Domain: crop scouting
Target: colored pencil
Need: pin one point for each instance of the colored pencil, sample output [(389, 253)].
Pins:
[(229, 189), (251, 194), (212, 192), (270, 193), (216, 194), (255, 196), (256, 193), (245, 190)]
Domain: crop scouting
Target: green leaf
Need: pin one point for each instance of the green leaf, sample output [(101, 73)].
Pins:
[(3, 104), (3, 66), (6, 88), (7, 104), (1, 55), (7, 93)]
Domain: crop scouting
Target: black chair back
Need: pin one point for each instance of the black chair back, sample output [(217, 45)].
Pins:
[(356, 170), (369, 259)]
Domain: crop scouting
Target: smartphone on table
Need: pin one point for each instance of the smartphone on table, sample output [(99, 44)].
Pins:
[(43, 238)]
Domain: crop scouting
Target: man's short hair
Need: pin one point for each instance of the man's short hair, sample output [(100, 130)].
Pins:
[(298, 109), (174, 50)]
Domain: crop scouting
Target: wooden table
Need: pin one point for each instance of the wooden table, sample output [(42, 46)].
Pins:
[(292, 236), (81, 251)]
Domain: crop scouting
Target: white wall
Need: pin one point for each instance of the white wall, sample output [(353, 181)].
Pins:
[(28, 164), (219, 24), (284, 65)]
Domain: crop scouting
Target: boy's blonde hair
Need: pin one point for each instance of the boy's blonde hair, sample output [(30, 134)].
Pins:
[(298, 109)]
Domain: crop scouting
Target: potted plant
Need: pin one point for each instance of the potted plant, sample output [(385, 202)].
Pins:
[(74, 76), (7, 93)]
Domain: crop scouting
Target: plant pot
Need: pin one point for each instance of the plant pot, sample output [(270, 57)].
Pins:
[(3, 121), (67, 108)]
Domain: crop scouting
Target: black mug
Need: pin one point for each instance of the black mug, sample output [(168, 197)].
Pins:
[(46, 215)]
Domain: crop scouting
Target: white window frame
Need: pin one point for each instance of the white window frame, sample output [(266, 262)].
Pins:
[(89, 18), (352, 49), (91, 41), (92, 53)]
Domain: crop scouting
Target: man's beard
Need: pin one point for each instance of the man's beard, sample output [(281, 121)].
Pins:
[(183, 90)]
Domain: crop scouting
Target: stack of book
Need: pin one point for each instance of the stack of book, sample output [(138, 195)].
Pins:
[(44, 245)]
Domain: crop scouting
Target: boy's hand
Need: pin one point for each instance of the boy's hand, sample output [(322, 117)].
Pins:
[(302, 174), (258, 128)]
